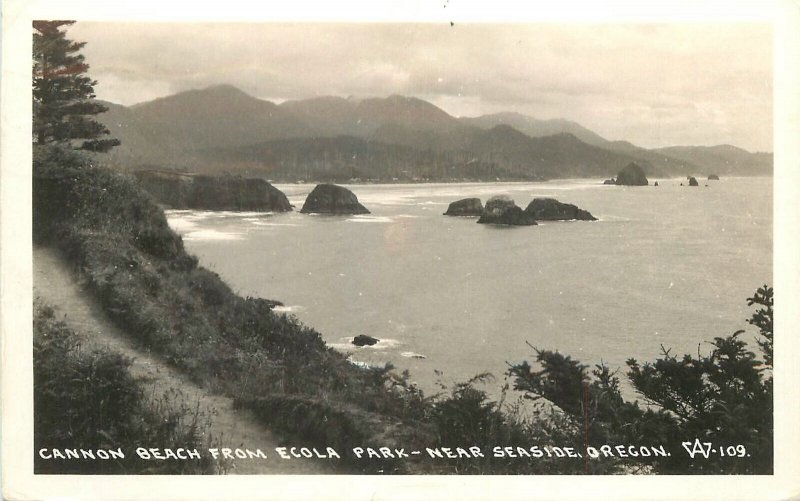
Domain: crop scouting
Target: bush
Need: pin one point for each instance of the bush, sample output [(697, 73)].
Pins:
[(88, 400), (724, 397)]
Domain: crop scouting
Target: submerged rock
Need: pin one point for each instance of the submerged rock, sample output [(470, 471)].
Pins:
[(502, 210), (332, 199), (179, 190), (610, 181), (465, 207), (713, 177), (550, 209), (632, 175), (363, 340), (693, 181)]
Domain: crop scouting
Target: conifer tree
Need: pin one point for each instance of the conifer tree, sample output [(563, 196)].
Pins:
[(64, 108)]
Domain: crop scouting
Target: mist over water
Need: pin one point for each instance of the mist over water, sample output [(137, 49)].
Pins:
[(665, 265)]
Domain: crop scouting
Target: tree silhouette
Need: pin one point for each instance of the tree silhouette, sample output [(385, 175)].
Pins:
[(63, 95)]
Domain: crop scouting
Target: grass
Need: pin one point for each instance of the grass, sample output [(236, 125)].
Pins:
[(86, 399)]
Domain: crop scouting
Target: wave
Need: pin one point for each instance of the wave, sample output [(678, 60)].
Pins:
[(264, 223), (212, 235), (364, 365), (370, 219), (411, 354), (182, 224), (288, 309), (346, 344)]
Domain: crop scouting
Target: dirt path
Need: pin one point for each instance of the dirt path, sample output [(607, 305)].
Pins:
[(57, 285)]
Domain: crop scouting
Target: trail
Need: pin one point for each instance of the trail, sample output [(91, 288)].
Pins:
[(58, 287)]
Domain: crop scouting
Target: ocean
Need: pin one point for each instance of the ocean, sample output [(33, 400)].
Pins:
[(667, 267)]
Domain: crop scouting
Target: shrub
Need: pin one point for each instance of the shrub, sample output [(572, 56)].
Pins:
[(724, 397), (88, 400)]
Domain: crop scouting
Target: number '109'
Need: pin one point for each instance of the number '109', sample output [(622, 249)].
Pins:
[(733, 450)]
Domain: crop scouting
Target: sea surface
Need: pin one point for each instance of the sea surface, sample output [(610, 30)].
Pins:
[(668, 266)]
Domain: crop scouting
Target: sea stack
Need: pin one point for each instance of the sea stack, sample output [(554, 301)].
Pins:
[(332, 199), (693, 181), (465, 207), (550, 209), (713, 177), (179, 190), (632, 175), (502, 210), (364, 340)]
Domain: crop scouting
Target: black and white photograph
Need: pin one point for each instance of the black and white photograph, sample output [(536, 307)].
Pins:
[(406, 248)]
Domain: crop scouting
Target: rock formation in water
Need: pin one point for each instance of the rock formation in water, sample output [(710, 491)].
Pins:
[(192, 191), (465, 207), (550, 209), (655, 184), (502, 210), (363, 340), (713, 177), (632, 175), (498, 203), (332, 199), (693, 181), (610, 181)]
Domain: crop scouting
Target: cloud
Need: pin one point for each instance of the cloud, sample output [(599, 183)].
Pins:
[(653, 84)]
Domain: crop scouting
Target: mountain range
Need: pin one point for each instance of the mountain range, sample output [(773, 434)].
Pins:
[(222, 129)]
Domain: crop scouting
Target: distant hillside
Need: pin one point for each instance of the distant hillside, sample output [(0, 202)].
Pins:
[(222, 129), (534, 127), (329, 115), (560, 155), (222, 115), (725, 160), (332, 116), (344, 158), (169, 129), (499, 153)]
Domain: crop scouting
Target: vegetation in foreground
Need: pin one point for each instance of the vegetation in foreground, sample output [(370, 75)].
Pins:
[(724, 398), (88, 400)]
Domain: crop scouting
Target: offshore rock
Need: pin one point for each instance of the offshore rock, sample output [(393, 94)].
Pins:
[(332, 199), (713, 177), (550, 209), (632, 175), (465, 207), (502, 210), (693, 181), (363, 340), (193, 191), (498, 204)]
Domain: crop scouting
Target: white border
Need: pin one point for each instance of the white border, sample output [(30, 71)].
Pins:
[(15, 255)]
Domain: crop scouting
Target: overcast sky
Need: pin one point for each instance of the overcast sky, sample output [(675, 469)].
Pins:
[(654, 85)]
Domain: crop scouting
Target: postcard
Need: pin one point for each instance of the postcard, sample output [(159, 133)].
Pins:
[(380, 252)]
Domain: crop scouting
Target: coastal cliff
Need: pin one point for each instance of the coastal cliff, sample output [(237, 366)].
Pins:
[(192, 191)]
